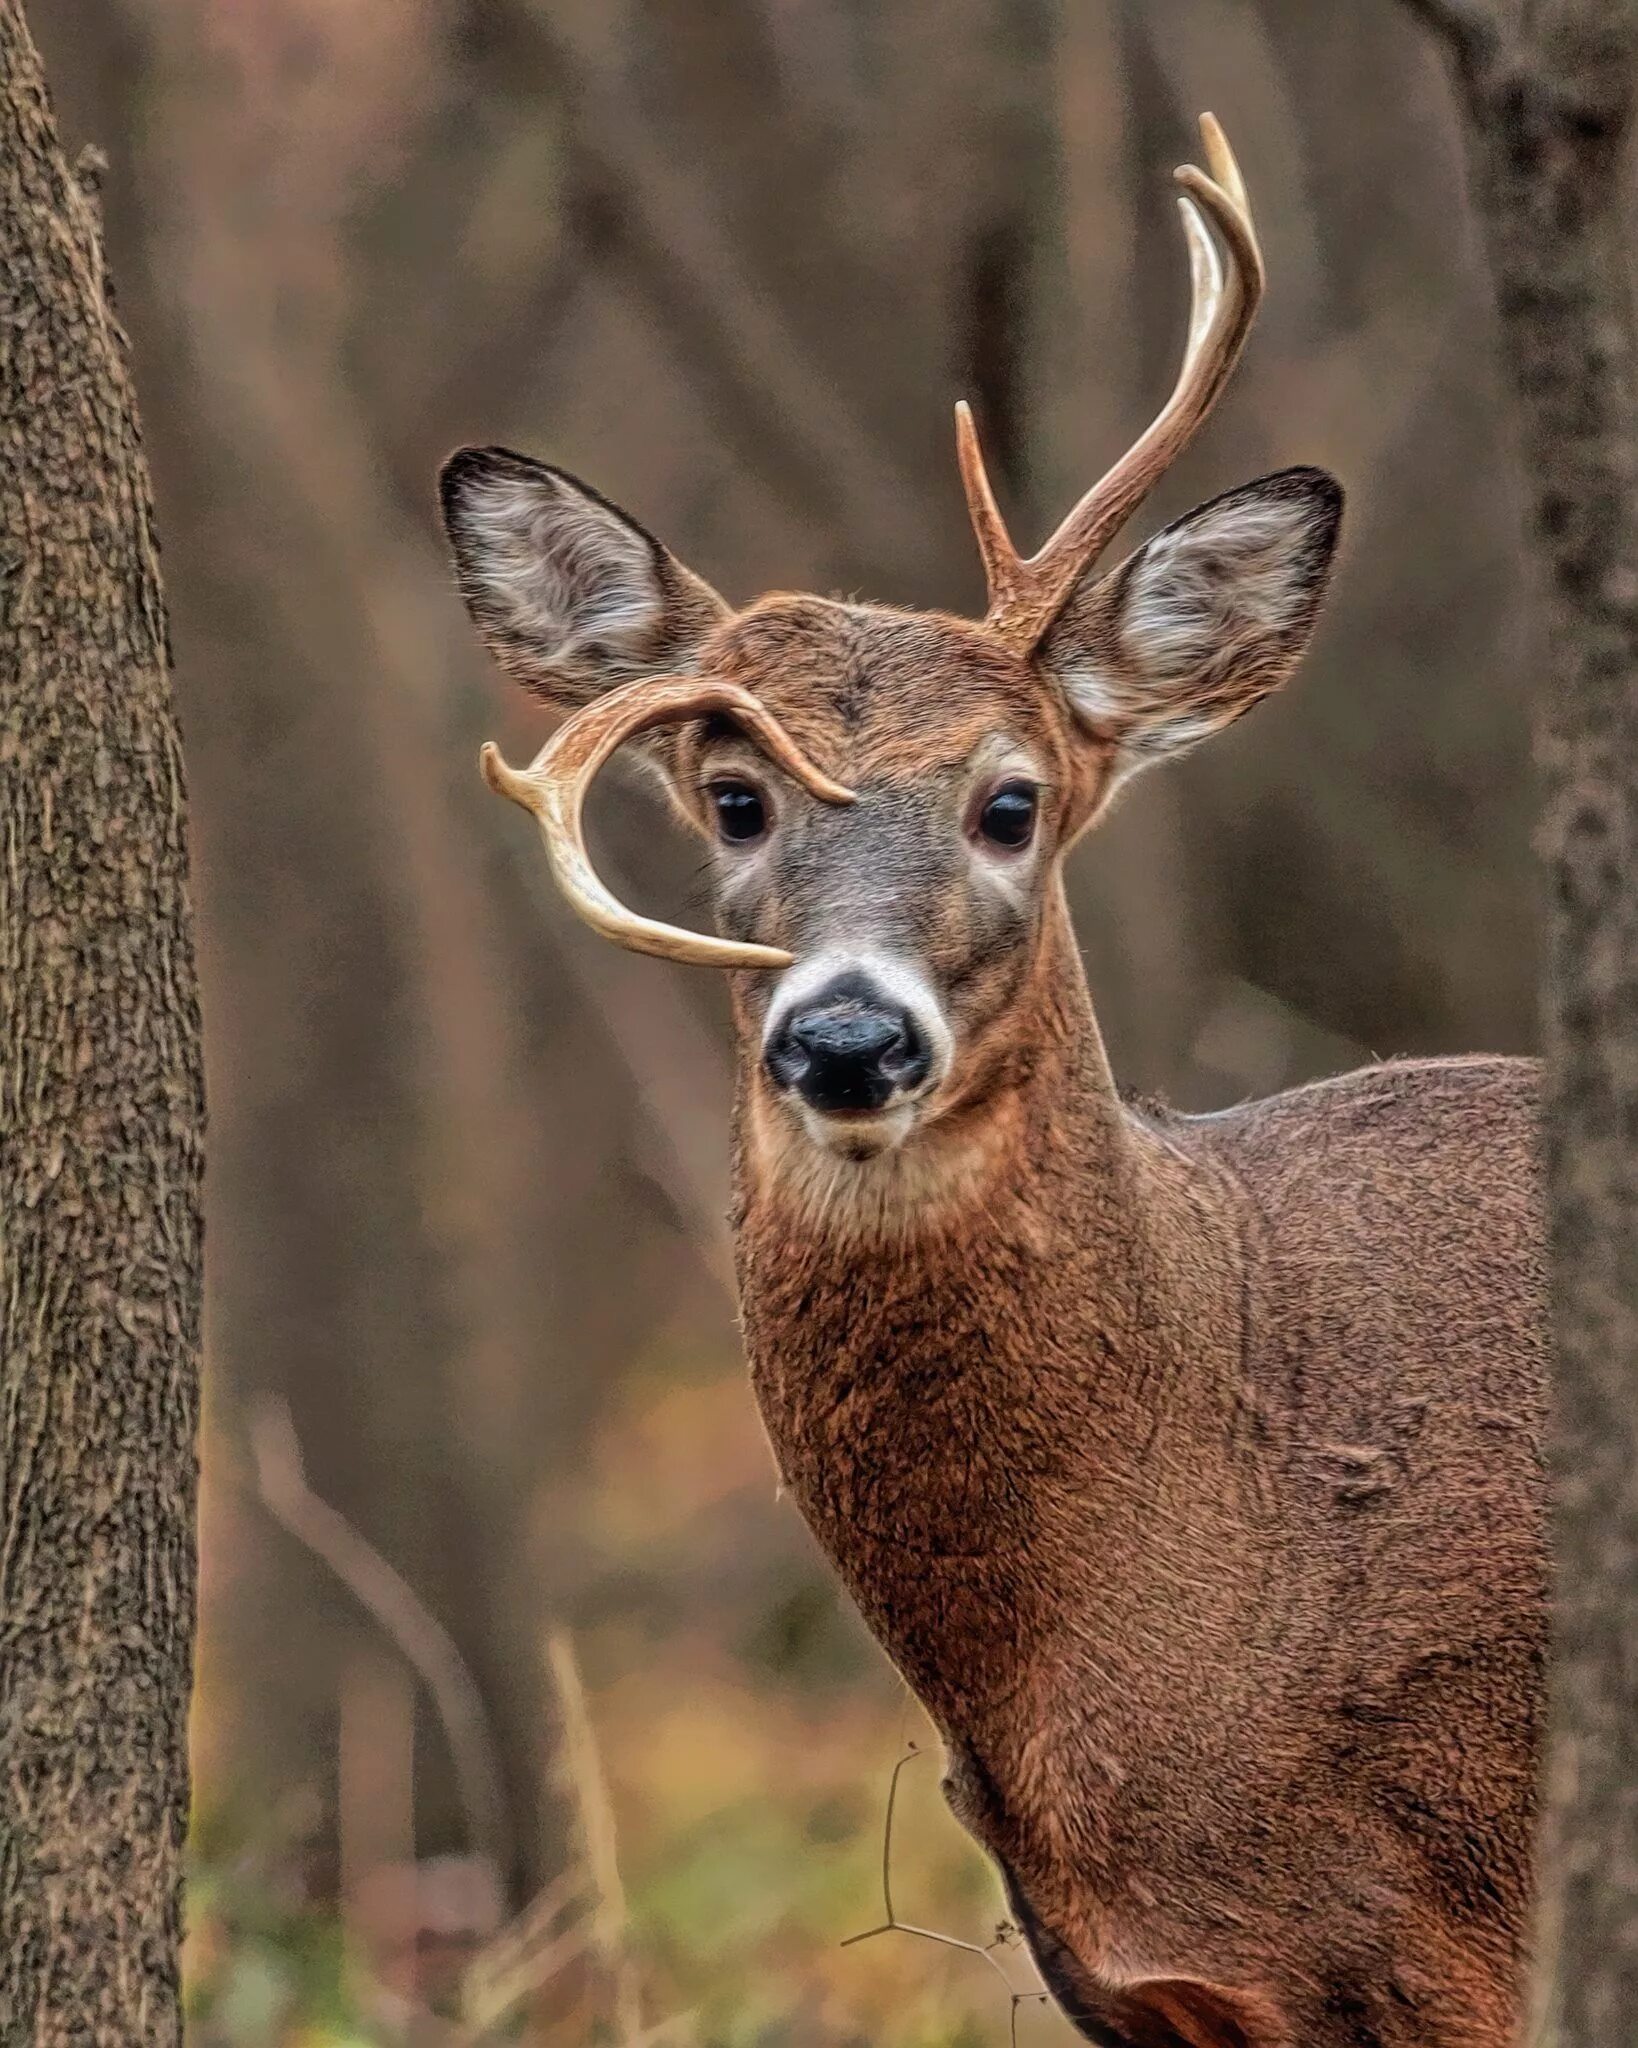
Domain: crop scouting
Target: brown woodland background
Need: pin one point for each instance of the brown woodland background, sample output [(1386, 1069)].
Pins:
[(732, 260)]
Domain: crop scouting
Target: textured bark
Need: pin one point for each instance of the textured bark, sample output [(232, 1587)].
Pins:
[(101, 1118), (1547, 91)]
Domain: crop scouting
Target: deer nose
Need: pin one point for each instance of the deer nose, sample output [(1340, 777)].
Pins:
[(848, 1056)]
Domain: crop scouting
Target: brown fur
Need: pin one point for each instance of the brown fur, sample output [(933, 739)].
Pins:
[(1189, 1471), (1189, 1468)]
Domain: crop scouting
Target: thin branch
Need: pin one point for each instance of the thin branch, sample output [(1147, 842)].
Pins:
[(585, 1779), (425, 1644), (892, 1924), (527, 1953), (500, 1999)]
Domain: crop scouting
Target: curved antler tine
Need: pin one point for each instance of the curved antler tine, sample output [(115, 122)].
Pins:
[(1231, 223), (1226, 272), (999, 556), (1206, 277), (555, 784), (1222, 162)]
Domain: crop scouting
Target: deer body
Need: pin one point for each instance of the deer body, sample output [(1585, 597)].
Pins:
[(1189, 1468)]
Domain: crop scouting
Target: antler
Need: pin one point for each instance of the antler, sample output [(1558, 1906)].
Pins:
[(555, 783), (1226, 268)]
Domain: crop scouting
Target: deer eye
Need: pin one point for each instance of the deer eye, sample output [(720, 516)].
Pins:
[(1008, 816), (740, 813)]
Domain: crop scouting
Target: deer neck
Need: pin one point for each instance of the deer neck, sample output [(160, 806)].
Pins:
[(990, 1375)]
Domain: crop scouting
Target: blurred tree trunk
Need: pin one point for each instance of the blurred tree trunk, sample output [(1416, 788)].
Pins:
[(101, 1115), (1548, 93)]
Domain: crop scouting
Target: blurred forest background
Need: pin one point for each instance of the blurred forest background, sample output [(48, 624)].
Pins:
[(732, 260)]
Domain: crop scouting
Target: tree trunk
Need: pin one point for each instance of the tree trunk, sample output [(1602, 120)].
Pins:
[(101, 1120), (1547, 92)]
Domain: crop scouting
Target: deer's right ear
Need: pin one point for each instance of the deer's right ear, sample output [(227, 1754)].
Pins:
[(571, 596)]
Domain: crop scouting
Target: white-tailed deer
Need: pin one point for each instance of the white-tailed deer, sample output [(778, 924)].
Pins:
[(1188, 1467)]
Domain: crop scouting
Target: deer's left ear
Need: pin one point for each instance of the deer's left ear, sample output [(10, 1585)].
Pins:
[(1202, 622)]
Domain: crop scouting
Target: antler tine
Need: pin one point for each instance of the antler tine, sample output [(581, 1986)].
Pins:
[(1002, 564), (1223, 164), (555, 784), (1227, 280)]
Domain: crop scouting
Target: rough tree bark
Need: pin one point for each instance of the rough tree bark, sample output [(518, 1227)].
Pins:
[(1546, 87), (101, 1119)]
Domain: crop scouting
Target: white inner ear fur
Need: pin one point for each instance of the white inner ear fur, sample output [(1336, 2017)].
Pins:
[(1205, 617), (1200, 595), (559, 570)]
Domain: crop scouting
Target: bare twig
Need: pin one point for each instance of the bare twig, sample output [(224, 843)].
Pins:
[(425, 1644), (584, 1780), (892, 1924), (582, 1911), (496, 2002), (526, 1954)]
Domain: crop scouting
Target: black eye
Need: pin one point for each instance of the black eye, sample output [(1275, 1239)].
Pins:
[(739, 809), (1008, 817)]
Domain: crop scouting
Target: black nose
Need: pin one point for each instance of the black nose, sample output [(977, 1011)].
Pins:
[(848, 1054)]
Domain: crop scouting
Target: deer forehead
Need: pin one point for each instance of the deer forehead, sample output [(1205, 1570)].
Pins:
[(886, 696)]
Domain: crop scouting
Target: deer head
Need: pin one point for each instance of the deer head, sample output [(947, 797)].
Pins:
[(899, 914)]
